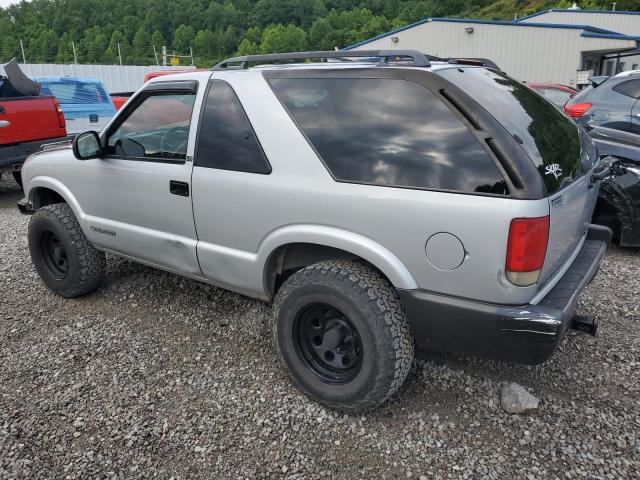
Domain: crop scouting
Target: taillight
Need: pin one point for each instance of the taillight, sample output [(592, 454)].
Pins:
[(526, 249), (61, 120), (576, 110)]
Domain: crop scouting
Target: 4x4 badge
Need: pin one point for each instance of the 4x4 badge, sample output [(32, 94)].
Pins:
[(553, 169)]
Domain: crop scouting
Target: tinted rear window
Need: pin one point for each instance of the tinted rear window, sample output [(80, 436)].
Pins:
[(77, 93), (388, 132), (554, 143)]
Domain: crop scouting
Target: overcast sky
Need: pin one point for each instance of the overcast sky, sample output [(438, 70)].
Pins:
[(5, 3)]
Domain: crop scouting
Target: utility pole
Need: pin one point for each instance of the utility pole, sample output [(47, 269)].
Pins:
[(24, 59), (191, 52), (155, 54), (119, 54), (75, 57), (164, 55)]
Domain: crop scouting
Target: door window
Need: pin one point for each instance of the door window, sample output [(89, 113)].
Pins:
[(227, 140), (157, 126)]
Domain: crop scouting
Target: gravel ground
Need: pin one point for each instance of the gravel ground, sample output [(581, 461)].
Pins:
[(158, 376)]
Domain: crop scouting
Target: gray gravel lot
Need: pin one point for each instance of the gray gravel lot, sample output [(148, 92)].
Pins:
[(158, 376)]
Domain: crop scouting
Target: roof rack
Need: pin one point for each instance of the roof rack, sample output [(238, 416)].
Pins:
[(480, 62), (417, 59)]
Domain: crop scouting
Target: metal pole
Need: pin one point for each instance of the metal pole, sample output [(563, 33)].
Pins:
[(164, 55), (24, 59), (155, 54), (191, 52), (119, 54), (75, 57)]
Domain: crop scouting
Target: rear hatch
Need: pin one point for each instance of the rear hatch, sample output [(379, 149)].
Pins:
[(85, 103), (561, 151)]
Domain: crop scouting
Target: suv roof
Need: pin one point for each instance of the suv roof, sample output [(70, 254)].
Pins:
[(344, 59), (628, 73)]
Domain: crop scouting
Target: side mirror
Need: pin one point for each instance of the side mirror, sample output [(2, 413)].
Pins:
[(87, 146)]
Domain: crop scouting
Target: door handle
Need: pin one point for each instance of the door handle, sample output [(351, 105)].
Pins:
[(179, 188), (4, 123)]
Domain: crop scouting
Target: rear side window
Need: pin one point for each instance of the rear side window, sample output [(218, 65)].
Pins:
[(226, 139), (388, 132), (630, 88), (558, 148)]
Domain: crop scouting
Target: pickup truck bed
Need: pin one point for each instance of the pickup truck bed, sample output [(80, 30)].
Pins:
[(26, 123)]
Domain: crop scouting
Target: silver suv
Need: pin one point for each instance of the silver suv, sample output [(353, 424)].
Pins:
[(372, 200)]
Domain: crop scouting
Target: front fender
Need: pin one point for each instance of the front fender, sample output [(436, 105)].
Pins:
[(353, 243), (43, 181)]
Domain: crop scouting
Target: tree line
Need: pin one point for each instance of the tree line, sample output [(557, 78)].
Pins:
[(105, 31)]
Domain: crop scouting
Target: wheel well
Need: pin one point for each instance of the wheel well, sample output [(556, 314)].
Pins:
[(288, 259), (606, 214), (44, 196)]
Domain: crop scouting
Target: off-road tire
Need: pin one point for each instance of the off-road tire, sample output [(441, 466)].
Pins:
[(372, 304), (85, 263)]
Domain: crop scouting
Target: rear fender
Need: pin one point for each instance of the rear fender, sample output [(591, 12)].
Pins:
[(360, 246)]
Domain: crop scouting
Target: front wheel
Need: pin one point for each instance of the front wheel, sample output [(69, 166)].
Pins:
[(63, 257), (342, 335)]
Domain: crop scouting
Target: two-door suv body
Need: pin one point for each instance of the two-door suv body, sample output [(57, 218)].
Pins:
[(373, 201)]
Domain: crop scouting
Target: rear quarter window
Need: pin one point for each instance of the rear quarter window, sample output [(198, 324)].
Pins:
[(388, 132), (630, 88)]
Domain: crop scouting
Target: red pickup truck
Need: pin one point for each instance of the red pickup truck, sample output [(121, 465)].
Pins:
[(27, 120)]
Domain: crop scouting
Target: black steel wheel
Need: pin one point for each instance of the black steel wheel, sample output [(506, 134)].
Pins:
[(328, 343), (63, 257), (54, 255), (342, 335)]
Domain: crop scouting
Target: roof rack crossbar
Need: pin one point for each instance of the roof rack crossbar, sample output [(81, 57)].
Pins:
[(417, 59)]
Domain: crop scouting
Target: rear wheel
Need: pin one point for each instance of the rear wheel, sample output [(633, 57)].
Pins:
[(341, 333), (63, 257)]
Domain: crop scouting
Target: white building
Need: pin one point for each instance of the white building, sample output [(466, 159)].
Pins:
[(537, 48)]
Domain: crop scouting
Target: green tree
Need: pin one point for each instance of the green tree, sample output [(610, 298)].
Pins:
[(65, 49), (183, 38), (207, 47), (43, 48), (118, 41), (279, 38), (157, 40), (247, 47), (322, 35), (142, 51), (95, 43)]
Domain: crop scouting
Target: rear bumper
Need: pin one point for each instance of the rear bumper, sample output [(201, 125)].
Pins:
[(13, 156), (513, 333)]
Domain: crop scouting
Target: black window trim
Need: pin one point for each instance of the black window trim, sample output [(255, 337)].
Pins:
[(155, 88), (202, 109), (519, 173)]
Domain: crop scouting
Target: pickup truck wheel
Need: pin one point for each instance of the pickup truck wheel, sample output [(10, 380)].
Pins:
[(63, 257), (17, 176), (341, 333)]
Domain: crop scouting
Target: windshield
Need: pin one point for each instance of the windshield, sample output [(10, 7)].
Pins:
[(559, 149)]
